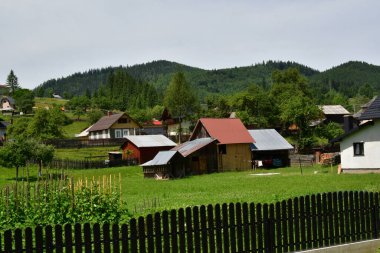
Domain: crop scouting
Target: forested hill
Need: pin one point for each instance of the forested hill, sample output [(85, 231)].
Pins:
[(159, 73), (346, 78), (350, 77)]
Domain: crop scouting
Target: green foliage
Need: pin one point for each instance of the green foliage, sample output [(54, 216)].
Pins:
[(59, 202), (79, 105), (45, 124), (94, 116), (179, 98), (329, 131), (12, 83), (24, 100)]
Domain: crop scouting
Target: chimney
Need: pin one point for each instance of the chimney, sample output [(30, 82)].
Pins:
[(109, 113), (348, 121)]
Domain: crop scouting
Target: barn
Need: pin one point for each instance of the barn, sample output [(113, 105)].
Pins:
[(233, 142), (145, 147), (190, 158)]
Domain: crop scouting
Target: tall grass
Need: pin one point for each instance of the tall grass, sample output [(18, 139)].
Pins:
[(61, 200)]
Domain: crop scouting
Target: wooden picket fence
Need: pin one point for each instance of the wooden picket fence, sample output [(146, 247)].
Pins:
[(296, 224), (90, 164)]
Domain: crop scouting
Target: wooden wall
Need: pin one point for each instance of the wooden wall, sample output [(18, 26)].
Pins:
[(237, 157)]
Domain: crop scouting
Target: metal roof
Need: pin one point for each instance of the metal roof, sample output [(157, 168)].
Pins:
[(162, 158), (268, 139), (84, 133), (333, 109), (226, 131), (373, 111), (151, 141), (189, 147)]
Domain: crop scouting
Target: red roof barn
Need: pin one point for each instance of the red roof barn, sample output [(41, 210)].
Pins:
[(233, 141), (145, 147)]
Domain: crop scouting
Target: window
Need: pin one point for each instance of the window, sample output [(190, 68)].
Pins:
[(118, 133), (222, 149), (359, 149), (125, 132)]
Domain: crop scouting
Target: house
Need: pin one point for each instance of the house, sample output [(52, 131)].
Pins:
[(192, 157), (360, 146), (153, 127), (145, 147), (334, 113), (114, 126), (171, 125), (7, 104), (270, 149), (233, 141)]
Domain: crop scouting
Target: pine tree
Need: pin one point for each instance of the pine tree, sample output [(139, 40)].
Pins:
[(12, 83)]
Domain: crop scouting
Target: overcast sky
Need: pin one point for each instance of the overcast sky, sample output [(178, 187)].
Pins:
[(45, 39)]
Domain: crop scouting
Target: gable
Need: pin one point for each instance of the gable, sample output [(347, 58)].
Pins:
[(120, 120), (226, 131)]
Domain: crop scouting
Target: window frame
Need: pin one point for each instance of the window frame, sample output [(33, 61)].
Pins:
[(359, 145), (118, 134)]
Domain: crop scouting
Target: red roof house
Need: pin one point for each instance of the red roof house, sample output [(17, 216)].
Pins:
[(233, 141)]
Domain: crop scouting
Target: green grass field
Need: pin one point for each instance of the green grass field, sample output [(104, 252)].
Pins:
[(84, 153), (145, 196)]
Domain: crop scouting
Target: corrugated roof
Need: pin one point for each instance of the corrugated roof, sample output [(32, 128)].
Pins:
[(333, 109), (151, 141), (268, 139), (162, 158), (226, 131), (190, 147), (373, 111)]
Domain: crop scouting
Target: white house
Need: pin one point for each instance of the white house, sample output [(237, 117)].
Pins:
[(360, 147)]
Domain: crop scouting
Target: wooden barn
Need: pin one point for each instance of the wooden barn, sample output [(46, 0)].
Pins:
[(190, 158), (233, 142), (145, 147), (270, 148)]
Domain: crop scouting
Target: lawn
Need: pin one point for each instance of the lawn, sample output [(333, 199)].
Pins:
[(145, 196), (97, 153)]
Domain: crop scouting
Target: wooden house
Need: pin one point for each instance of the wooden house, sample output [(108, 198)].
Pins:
[(334, 113), (114, 126), (233, 141), (270, 148), (360, 146), (145, 147)]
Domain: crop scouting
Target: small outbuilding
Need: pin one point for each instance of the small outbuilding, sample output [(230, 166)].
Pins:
[(145, 147), (270, 149), (190, 158)]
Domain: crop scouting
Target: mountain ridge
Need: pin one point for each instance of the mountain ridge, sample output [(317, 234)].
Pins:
[(224, 81)]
